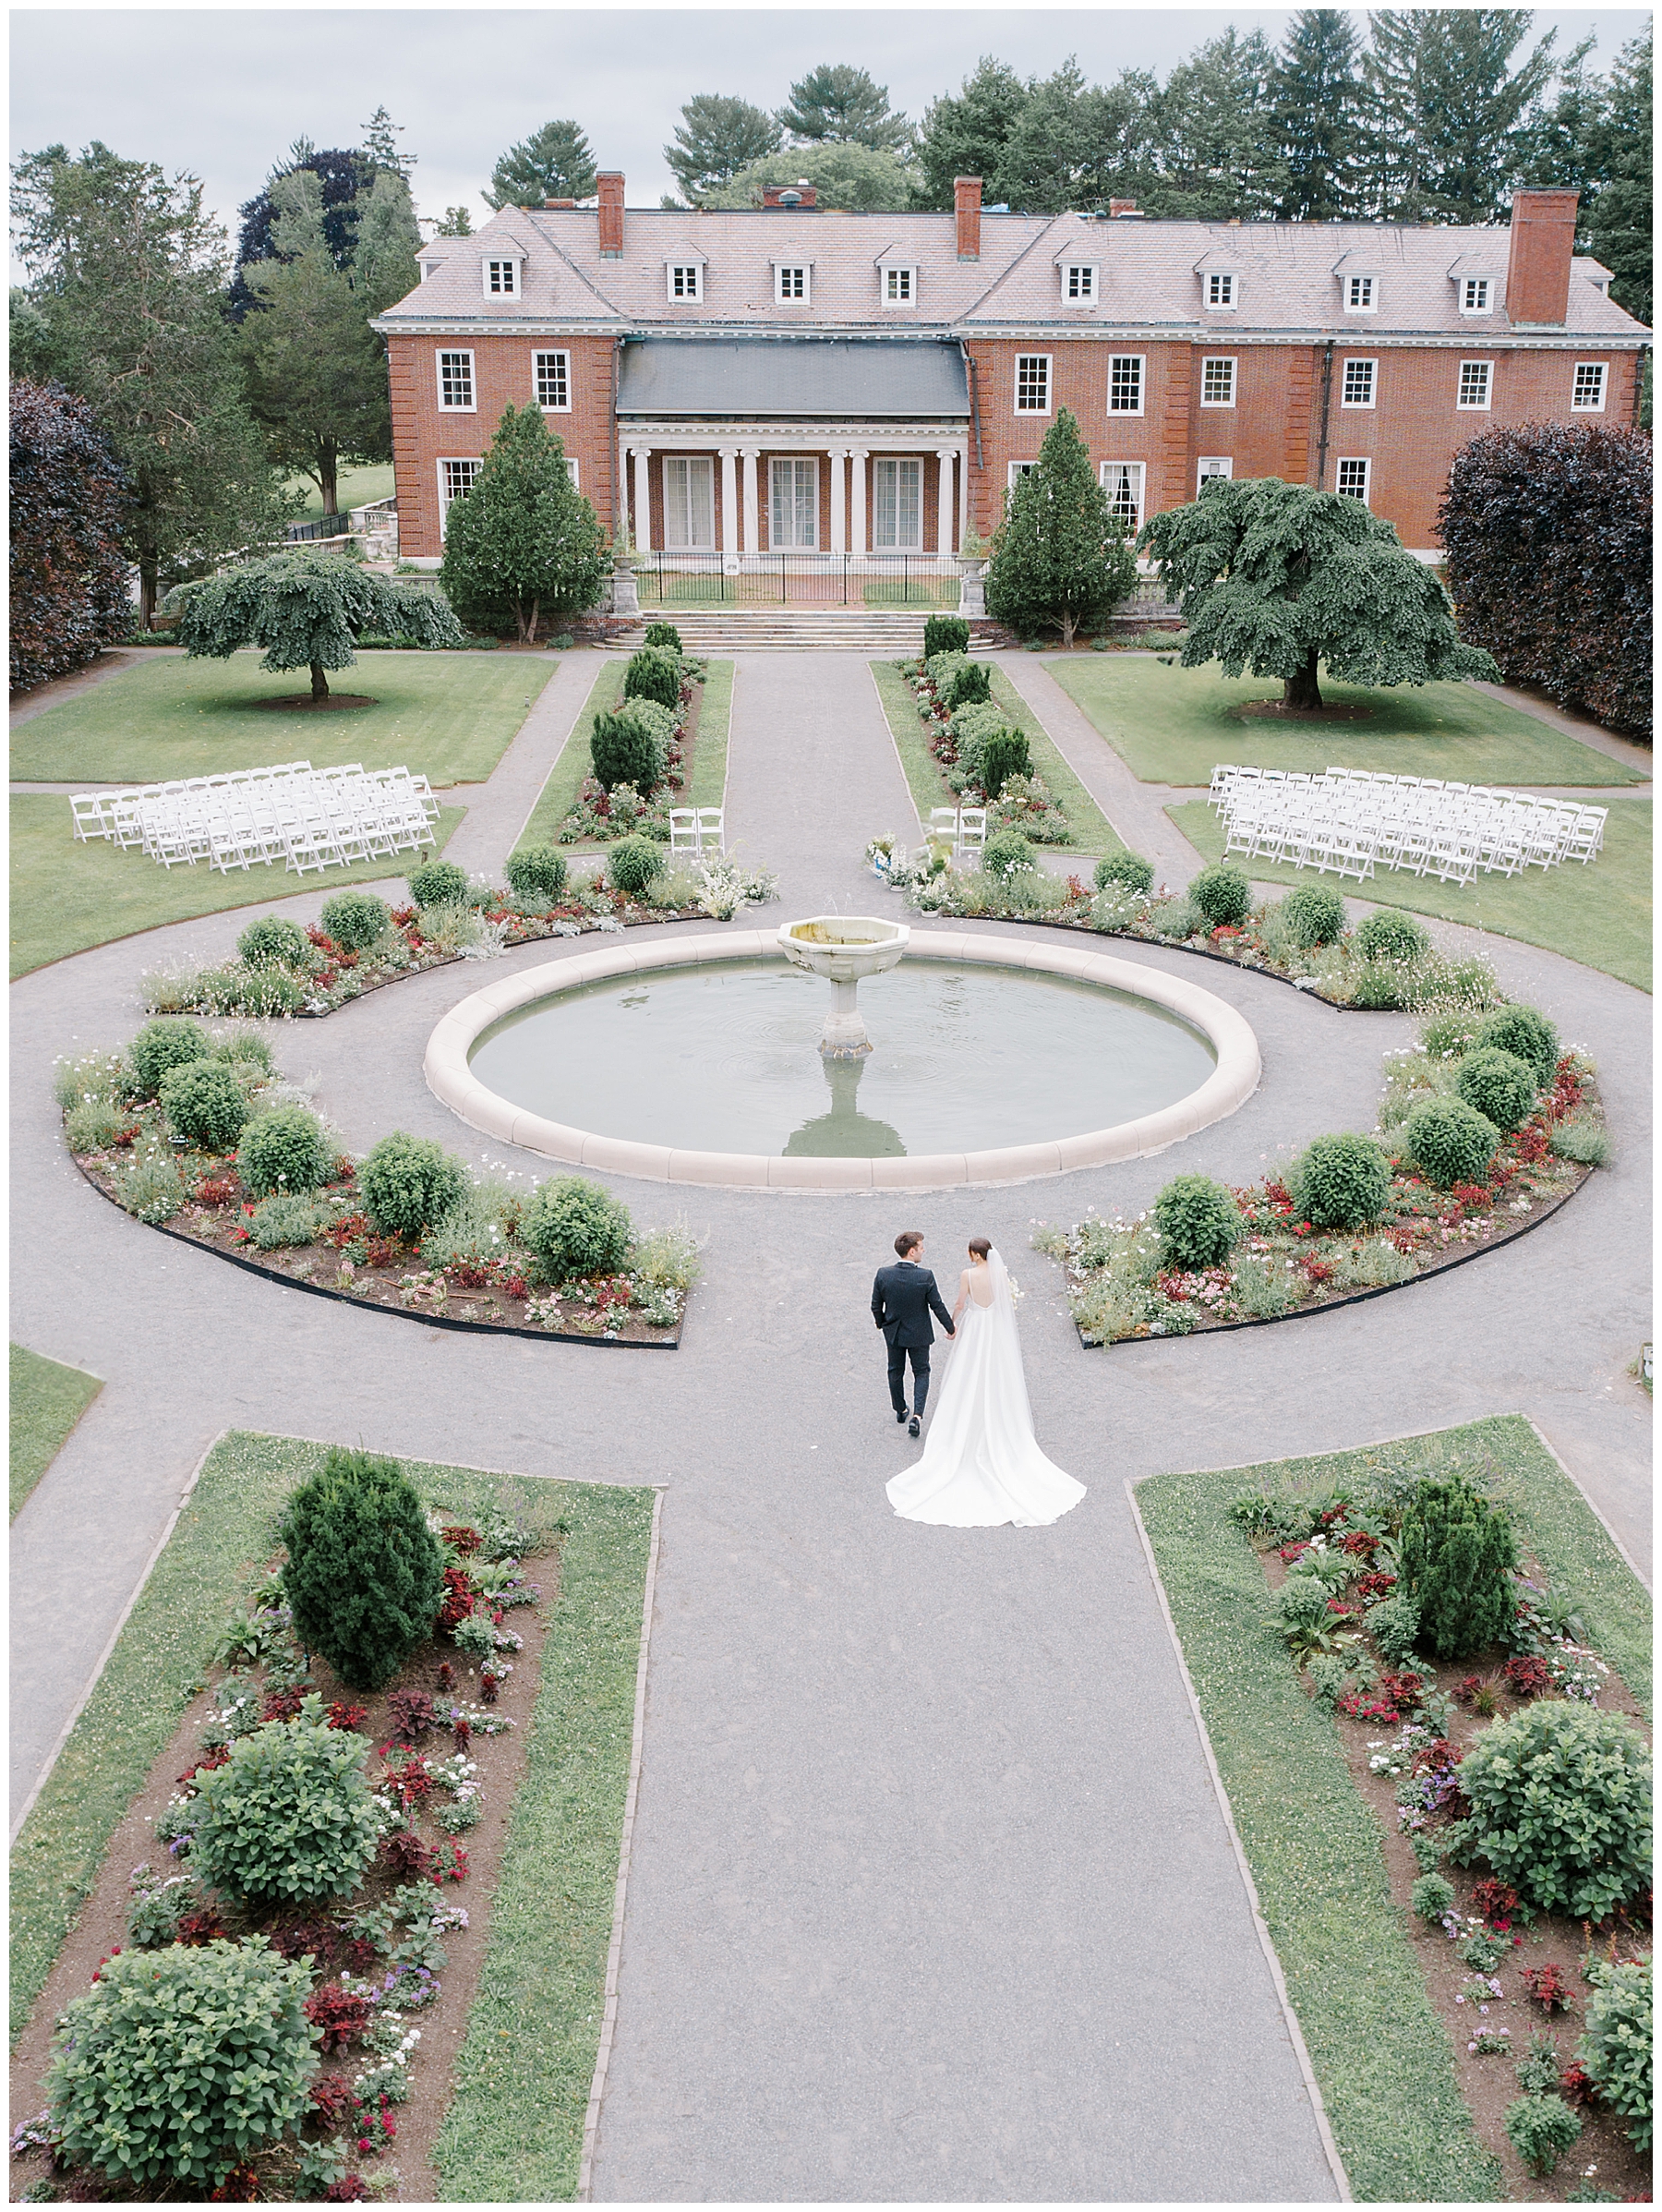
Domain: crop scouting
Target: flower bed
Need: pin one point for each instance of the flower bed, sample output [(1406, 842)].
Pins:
[(598, 817), (1024, 802)]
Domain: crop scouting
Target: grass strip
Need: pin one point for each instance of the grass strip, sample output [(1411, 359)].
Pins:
[(67, 897), (47, 1399), (715, 722), (558, 794), (1600, 915), (513, 2132)]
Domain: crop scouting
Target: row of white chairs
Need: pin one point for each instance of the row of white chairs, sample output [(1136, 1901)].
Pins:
[(697, 833), (962, 828), (309, 818)]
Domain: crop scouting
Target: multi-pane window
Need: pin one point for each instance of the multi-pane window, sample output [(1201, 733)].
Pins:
[(1359, 294), (554, 381), (456, 382), (794, 481), (1126, 384), (1353, 480), (1358, 388), (1032, 384), (686, 279), (1588, 394), (899, 286), (689, 503), (1475, 295), (790, 284), (898, 505), (1475, 384), (1213, 464), (1123, 481), (1079, 282), (501, 278), (456, 477), (1218, 380), (1018, 469), (1220, 288)]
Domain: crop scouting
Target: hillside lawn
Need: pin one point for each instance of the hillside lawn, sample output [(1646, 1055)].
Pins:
[(354, 488)]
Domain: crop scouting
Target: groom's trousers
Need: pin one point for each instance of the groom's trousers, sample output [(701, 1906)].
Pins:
[(918, 1356)]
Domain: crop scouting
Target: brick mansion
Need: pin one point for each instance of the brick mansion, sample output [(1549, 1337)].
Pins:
[(796, 379)]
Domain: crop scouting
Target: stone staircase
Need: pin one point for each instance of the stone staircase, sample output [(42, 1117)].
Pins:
[(723, 630)]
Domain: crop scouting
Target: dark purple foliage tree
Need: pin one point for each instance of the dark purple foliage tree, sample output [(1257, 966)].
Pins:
[(68, 572), (344, 172)]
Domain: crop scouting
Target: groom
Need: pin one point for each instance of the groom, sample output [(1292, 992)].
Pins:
[(901, 1298)]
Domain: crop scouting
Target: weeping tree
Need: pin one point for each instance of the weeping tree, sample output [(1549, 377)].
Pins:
[(1276, 578), (308, 609)]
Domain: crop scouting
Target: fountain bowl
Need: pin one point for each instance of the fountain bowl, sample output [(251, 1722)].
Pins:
[(843, 948)]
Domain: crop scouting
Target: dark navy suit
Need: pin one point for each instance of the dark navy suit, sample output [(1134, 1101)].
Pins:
[(902, 1297)]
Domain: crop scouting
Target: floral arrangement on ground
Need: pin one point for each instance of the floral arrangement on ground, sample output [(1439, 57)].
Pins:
[(641, 750), (195, 1130), (1484, 1127), (979, 748)]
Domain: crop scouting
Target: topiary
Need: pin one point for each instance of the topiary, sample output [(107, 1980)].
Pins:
[(1004, 754), (1616, 2050), (576, 1229), (284, 1149), (1314, 914), (1540, 2129), (1341, 1182), (1004, 851), (273, 942), (969, 685), (633, 864), (664, 637), (942, 634), (536, 871), (289, 1819), (1222, 894), (1457, 1552), (1527, 1036), (1129, 869), (178, 2063), (409, 1184), (624, 749), (654, 675), (204, 1102), (364, 1575), (161, 1046), (1450, 1142), (1498, 1085), (1382, 936), (1560, 1799), (1199, 1222), (1431, 1896), (355, 919), (437, 883)]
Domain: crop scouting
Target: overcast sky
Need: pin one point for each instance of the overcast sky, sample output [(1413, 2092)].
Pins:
[(222, 91)]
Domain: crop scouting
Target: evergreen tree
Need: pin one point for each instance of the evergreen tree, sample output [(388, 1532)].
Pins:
[(965, 134), (307, 609), (717, 137), (344, 173), (457, 224), (844, 175), (1059, 558), (1218, 148), (381, 143), (69, 570), (522, 539), (555, 163), (1315, 92), (838, 105), (1049, 147), (1619, 227), (1447, 121), (1119, 129)]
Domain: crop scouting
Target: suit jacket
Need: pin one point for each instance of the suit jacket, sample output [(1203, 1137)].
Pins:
[(901, 1298)]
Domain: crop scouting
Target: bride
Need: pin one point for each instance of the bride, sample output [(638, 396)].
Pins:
[(982, 1464)]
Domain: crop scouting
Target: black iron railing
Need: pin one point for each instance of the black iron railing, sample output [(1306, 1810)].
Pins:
[(875, 580)]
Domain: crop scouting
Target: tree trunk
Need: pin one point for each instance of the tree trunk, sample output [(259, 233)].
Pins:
[(1070, 625), (536, 618), (147, 593), (319, 681), (1302, 693), (327, 461)]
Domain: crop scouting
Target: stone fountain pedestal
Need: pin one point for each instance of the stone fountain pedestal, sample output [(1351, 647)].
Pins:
[(843, 949)]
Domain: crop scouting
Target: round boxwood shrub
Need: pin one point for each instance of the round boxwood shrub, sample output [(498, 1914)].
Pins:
[(289, 1819), (178, 2063), (624, 748), (538, 871), (409, 1184), (1457, 1552), (161, 1046), (1450, 1142), (1222, 894), (1498, 1085), (942, 634), (654, 675), (1199, 1222), (1527, 1036), (1129, 869), (273, 942), (576, 1229), (364, 1575), (1314, 914), (438, 883), (1382, 936), (284, 1149), (204, 1102), (1616, 2050), (633, 864), (1341, 1182), (1004, 851), (1560, 1799), (355, 919)]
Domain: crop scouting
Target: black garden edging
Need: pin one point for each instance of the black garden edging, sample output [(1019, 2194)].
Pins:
[(369, 1305)]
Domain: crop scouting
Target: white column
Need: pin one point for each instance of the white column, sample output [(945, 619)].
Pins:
[(641, 454), (963, 496), (860, 544), (944, 503), (839, 458), (730, 501), (753, 542)]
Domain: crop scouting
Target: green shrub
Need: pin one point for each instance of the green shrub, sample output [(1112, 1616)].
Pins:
[(1540, 2129), (654, 675), (1561, 1807), (624, 748), (355, 919), (634, 863), (1394, 1625), (438, 883), (1431, 1896), (1129, 869), (161, 1046), (1199, 1222), (152, 1191), (1584, 1141), (1004, 851), (1393, 936), (969, 686), (289, 1819), (1004, 754), (409, 1183), (204, 1102), (536, 871), (1457, 1554), (1341, 1182), (273, 942), (245, 1048), (664, 637), (1450, 1142), (177, 2064), (289, 1218), (1313, 914), (941, 668), (364, 1577), (284, 1149), (1498, 1085), (942, 634), (1222, 894), (1527, 1036), (576, 1229), (92, 1127), (1616, 2050)]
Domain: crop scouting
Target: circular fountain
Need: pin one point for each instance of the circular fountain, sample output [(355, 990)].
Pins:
[(843, 948)]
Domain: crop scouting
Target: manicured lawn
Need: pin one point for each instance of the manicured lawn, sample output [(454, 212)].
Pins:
[(66, 897), (1600, 914), (47, 1399), (354, 488), (558, 794), (447, 716), (715, 722), (1174, 725)]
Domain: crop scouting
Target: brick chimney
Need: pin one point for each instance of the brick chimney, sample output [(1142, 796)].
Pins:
[(1537, 267), (966, 196), (560, 203), (610, 185), (799, 195), (1123, 206)]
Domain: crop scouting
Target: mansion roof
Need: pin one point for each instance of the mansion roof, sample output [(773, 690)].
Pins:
[(909, 377)]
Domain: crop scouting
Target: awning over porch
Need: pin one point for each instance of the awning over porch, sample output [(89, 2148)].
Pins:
[(794, 376)]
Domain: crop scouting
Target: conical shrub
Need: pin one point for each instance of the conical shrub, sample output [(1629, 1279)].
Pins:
[(364, 1575), (1457, 1556)]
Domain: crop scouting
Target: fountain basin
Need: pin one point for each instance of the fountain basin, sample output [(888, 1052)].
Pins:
[(844, 950)]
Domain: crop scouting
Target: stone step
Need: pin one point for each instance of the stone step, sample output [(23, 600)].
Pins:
[(808, 629)]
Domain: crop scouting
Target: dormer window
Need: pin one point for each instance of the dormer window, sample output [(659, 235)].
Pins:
[(1361, 294), (430, 270), (791, 282), (1080, 283), (1220, 288), (1475, 293), (685, 279), (898, 283), (501, 280)]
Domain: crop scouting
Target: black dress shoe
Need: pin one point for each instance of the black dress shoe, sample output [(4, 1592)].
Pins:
[(901, 1415), (914, 1427)]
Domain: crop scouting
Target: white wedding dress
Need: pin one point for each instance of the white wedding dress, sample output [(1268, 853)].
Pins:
[(982, 1464)]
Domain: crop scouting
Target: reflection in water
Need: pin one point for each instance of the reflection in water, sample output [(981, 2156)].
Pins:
[(845, 1133)]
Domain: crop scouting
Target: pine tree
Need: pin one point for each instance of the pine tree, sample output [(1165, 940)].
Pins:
[(1620, 229), (1059, 558), (1218, 149), (1049, 145), (717, 137), (838, 103), (522, 539), (1314, 90), (555, 163), (965, 134), (457, 224), (1447, 121), (381, 143), (844, 175)]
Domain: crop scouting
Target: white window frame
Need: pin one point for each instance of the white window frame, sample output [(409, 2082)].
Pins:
[(898, 284), (794, 463), (691, 273), (1361, 294), (896, 462), (1114, 362), (1080, 283), (1475, 295), (1360, 361), (574, 472), (793, 298), (1210, 361), (1474, 407), (1597, 370), (1223, 291), (1048, 361), (1365, 462), (1136, 478), (470, 405), (1016, 470), (1212, 465), (547, 353), (512, 264), (429, 269), (446, 495), (705, 468)]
